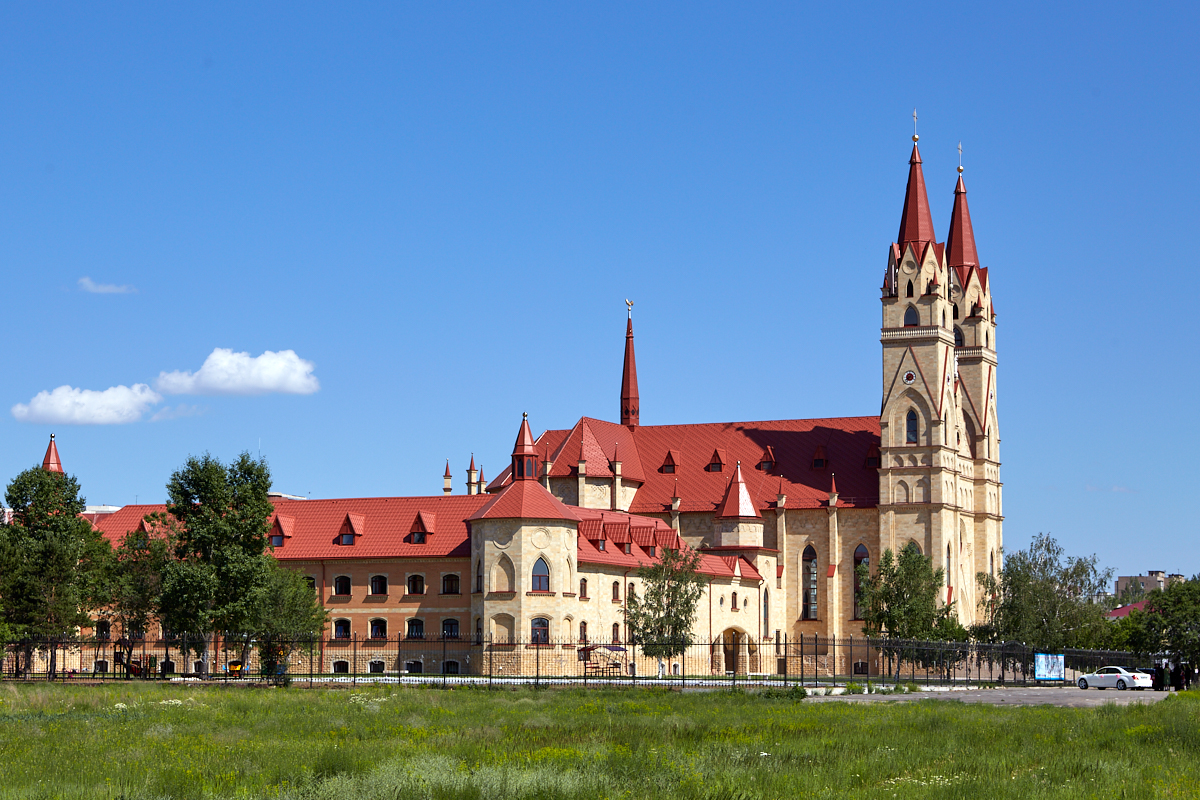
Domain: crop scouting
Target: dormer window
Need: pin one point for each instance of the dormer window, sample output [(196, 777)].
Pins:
[(628, 548), (818, 463), (650, 551), (670, 463), (717, 462), (346, 538), (418, 537), (873, 457), (766, 466), (819, 459), (276, 540), (669, 469), (600, 545)]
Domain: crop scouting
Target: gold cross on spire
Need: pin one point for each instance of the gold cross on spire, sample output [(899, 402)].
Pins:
[(960, 158), (915, 137), (629, 307)]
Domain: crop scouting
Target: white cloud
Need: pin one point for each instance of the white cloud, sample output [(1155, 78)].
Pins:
[(88, 285), (67, 405), (227, 372), (175, 412)]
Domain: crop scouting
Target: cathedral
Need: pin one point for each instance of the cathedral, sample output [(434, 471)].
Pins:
[(780, 511)]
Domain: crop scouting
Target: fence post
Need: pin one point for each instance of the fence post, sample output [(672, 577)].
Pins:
[(802, 659), (354, 659), (444, 658), (537, 661)]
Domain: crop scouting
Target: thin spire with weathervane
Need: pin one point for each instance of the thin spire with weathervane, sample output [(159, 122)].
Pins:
[(630, 413)]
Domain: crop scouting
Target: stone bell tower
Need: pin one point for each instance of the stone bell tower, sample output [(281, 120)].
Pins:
[(919, 417)]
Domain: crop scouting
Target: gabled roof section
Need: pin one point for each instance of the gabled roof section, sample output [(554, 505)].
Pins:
[(718, 457), (596, 442), (355, 523), (525, 500), (916, 222), (52, 463), (424, 522), (285, 525), (737, 503), (673, 458)]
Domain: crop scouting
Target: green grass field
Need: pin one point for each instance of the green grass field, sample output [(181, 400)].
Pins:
[(138, 741)]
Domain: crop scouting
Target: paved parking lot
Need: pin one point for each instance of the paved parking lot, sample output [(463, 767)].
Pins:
[(1067, 697)]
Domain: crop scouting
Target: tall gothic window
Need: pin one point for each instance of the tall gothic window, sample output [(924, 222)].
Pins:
[(808, 607), (909, 292), (540, 631), (541, 576), (958, 336), (910, 427), (947, 565), (911, 318), (861, 556)]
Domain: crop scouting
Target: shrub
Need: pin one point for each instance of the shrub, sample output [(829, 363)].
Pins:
[(793, 693), (854, 688)]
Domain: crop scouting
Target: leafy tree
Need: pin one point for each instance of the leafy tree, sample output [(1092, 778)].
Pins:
[(661, 619), (53, 564), (287, 610), (1173, 621), (217, 524), (136, 583), (1044, 599), (901, 599), (1132, 593)]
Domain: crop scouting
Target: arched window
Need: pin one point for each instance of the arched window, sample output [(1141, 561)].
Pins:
[(449, 667), (341, 667), (630, 594), (910, 427), (379, 584), (450, 584), (341, 585), (479, 576), (913, 546), (947, 565), (733, 602), (766, 610), (416, 584), (943, 317), (415, 629), (616, 633), (909, 292), (379, 629), (808, 602), (341, 629), (861, 556), (541, 576), (992, 563), (583, 632), (103, 630), (311, 581), (958, 336), (911, 318), (985, 338), (955, 313), (617, 591), (449, 629), (375, 666), (539, 631), (583, 588)]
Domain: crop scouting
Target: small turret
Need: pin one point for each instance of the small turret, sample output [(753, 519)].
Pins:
[(630, 413), (524, 456), (52, 463), (447, 481)]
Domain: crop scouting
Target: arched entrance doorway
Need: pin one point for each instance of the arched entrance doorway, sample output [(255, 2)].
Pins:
[(735, 652)]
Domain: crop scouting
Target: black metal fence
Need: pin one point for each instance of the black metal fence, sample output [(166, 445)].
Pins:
[(733, 660)]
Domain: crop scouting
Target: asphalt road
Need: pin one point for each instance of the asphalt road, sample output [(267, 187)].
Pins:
[(1067, 697)]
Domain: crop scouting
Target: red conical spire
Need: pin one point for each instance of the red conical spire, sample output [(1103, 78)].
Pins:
[(447, 475), (629, 388), (52, 463), (916, 223), (737, 502), (960, 241), (524, 456)]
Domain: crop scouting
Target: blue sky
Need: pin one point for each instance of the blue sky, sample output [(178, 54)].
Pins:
[(431, 214)]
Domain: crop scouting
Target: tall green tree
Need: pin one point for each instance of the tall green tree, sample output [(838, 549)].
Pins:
[(136, 584), (54, 564), (661, 619), (1173, 619), (901, 599), (1045, 599), (217, 523), (286, 613)]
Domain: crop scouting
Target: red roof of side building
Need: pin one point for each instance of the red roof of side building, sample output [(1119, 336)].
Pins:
[(1123, 611), (524, 500), (382, 526), (848, 442)]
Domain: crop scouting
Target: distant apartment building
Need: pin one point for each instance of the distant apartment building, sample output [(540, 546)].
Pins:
[(1153, 579)]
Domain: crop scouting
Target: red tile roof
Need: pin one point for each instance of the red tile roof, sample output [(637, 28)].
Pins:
[(524, 500), (381, 524), (1123, 611)]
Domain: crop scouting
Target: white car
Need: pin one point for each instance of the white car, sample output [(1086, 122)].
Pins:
[(1115, 677)]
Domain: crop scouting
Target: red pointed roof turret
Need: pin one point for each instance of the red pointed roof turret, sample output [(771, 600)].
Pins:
[(524, 456), (737, 502), (52, 463), (960, 241), (916, 223), (472, 467), (630, 413), (833, 484), (447, 475)]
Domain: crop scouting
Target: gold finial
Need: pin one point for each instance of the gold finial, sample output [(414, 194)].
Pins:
[(960, 158), (915, 137), (629, 307), (524, 415)]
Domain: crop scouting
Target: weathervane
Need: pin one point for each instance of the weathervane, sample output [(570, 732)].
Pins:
[(629, 306), (915, 137)]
